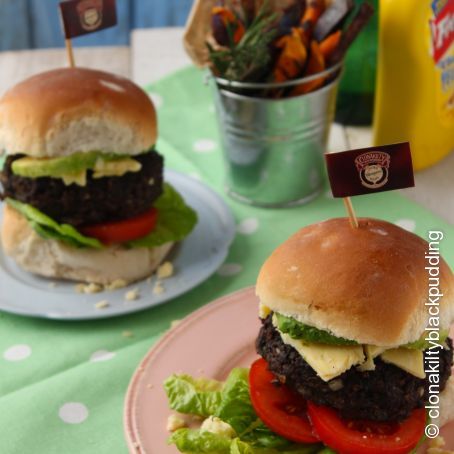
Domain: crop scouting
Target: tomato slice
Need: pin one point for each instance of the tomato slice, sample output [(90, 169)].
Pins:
[(282, 410), (367, 437), (125, 230)]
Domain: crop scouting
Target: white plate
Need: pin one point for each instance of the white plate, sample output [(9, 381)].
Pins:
[(195, 259)]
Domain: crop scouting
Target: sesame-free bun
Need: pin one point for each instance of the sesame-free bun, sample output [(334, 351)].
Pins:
[(68, 110), (54, 259), (367, 284)]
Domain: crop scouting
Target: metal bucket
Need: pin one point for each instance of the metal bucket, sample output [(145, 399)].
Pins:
[(273, 148)]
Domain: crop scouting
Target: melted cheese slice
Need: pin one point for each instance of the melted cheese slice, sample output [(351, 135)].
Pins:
[(371, 351), (329, 361), (115, 168), (264, 311), (407, 359)]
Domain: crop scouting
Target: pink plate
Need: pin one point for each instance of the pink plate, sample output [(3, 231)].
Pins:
[(209, 342)]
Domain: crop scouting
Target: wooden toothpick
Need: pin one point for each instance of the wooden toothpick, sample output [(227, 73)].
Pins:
[(351, 212), (70, 53)]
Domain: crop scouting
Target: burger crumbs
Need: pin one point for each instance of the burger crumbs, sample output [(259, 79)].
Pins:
[(149, 280), (165, 270), (175, 422), (150, 386), (127, 334), (174, 323), (89, 288), (52, 284), (102, 304), (132, 295), (151, 181), (158, 289), (117, 284)]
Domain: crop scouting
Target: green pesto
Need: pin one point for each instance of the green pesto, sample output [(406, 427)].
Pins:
[(298, 330)]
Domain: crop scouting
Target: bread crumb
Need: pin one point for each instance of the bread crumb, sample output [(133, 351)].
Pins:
[(132, 295), (127, 334), (117, 284), (175, 422), (174, 323), (52, 284), (150, 386), (165, 270), (149, 280), (102, 304), (158, 289), (89, 288)]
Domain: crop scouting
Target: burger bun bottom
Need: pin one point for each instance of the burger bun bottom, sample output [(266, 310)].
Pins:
[(54, 259)]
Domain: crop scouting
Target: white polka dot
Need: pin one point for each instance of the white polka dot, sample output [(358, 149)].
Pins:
[(229, 269), (73, 413), (204, 146), (157, 99), (17, 352), (248, 226), (407, 224), (102, 355)]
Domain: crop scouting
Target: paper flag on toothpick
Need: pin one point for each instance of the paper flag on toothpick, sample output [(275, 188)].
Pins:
[(81, 17), (369, 170)]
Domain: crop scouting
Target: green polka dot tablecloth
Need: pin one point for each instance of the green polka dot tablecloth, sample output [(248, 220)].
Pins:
[(62, 384)]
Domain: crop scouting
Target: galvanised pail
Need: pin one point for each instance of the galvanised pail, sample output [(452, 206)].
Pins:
[(273, 148)]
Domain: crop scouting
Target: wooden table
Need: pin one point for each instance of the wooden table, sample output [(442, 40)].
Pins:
[(155, 53)]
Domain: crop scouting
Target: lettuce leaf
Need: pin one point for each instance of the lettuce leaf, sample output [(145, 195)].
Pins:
[(231, 403), (2, 161), (50, 229), (175, 221), (298, 330), (198, 441), (188, 395)]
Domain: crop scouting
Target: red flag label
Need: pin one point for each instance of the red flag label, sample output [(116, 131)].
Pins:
[(81, 17), (369, 170)]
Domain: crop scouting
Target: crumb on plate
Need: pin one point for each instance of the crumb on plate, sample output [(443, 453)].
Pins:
[(158, 289), (132, 295), (102, 304), (165, 270)]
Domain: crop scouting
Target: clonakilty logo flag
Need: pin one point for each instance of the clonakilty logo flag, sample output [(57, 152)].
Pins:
[(86, 16), (369, 170)]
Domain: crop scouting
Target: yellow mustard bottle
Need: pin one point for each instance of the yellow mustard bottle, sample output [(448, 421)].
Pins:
[(415, 78)]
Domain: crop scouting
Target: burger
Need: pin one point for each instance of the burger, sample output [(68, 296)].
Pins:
[(350, 328), (355, 353), (81, 180)]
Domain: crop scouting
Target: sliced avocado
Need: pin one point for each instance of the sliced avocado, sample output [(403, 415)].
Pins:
[(422, 344), (298, 330), (57, 167)]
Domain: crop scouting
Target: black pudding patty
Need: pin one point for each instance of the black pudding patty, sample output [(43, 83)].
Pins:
[(101, 200), (385, 394)]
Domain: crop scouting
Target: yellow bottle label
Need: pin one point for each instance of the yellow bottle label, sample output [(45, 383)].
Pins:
[(442, 44)]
